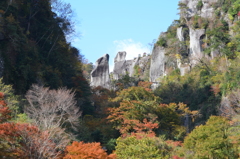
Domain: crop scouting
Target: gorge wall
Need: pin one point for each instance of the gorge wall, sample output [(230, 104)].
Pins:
[(186, 42)]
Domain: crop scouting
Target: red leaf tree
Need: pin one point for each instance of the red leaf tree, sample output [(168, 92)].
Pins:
[(26, 141), (4, 110)]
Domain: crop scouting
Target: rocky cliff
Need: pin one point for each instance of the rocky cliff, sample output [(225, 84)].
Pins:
[(195, 36), (120, 65), (158, 63), (100, 74), (202, 32), (137, 67)]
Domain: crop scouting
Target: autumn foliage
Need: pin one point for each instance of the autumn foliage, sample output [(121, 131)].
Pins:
[(145, 85), (23, 140), (26, 141), (80, 150), (4, 110), (140, 111)]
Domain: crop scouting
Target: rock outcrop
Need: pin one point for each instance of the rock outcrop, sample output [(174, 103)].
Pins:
[(120, 65), (180, 34), (142, 67), (100, 74), (123, 66), (196, 52), (158, 64), (183, 67), (184, 44), (206, 10)]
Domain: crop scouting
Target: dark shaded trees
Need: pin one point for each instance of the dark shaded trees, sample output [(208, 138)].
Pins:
[(35, 50)]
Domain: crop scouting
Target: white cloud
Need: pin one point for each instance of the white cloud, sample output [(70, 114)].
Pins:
[(132, 48)]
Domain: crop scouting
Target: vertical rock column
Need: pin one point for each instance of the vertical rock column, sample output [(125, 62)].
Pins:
[(185, 67), (195, 45), (119, 65), (157, 68), (100, 74)]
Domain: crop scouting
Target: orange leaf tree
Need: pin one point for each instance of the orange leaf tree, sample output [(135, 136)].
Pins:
[(80, 150)]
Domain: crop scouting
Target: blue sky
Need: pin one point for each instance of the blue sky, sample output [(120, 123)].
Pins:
[(109, 26)]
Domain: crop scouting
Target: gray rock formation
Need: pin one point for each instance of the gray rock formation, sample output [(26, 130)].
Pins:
[(157, 68), (184, 68), (215, 53), (100, 74), (121, 56), (206, 11), (195, 45), (120, 65), (131, 64), (180, 34), (141, 67), (190, 52), (123, 66)]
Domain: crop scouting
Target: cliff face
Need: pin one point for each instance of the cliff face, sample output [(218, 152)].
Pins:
[(100, 74), (204, 10), (120, 65), (195, 12), (202, 31), (199, 33), (195, 45), (158, 63), (137, 67)]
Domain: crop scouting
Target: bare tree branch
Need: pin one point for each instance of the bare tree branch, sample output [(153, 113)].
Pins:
[(52, 108)]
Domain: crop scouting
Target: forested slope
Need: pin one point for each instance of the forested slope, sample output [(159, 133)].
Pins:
[(34, 47)]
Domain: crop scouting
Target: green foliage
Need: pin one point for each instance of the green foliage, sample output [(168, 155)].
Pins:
[(23, 118), (233, 48), (146, 147), (234, 133), (182, 5), (172, 29), (111, 144), (162, 42), (87, 69), (137, 70), (36, 50), (234, 9), (10, 98), (199, 5), (124, 82), (193, 89), (199, 22), (138, 109), (135, 93), (210, 140), (218, 36)]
